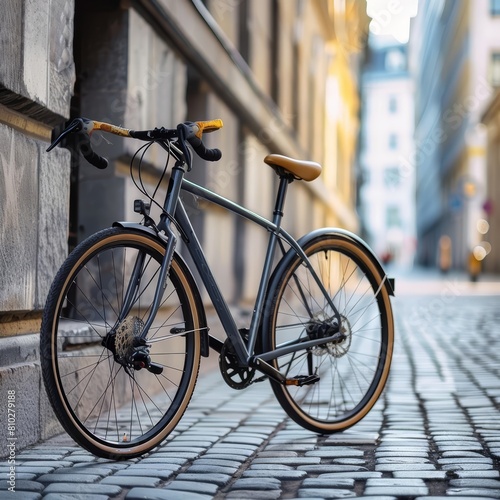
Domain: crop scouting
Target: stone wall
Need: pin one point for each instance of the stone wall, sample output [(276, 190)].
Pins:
[(37, 76)]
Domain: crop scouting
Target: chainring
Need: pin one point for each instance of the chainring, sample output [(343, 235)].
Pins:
[(236, 376)]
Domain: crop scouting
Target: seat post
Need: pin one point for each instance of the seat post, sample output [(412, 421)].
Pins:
[(280, 198)]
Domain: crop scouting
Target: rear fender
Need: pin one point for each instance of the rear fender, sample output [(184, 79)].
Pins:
[(192, 283), (389, 283)]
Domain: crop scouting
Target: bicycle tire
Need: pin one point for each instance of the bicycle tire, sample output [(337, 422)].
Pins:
[(104, 409), (352, 373)]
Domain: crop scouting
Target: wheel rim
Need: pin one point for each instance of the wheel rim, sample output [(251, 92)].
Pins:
[(353, 371), (114, 410)]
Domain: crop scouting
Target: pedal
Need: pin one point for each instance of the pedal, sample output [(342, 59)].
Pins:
[(302, 380)]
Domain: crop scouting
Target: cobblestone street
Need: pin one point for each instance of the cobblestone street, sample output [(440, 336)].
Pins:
[(434, 433)]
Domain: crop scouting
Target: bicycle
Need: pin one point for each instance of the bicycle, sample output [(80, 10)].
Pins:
[(124, 326)]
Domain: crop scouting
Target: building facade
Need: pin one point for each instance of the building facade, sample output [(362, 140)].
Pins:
[(387, 180), (282, 76), (454, 53), (491, 120)]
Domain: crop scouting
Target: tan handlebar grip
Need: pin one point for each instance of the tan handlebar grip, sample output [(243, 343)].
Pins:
[(112, 129), (208, 126)]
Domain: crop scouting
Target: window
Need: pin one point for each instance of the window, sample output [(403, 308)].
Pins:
[(393, 218), (395, 60), (495, 69), (393, 104), (392, 177), (495, 7), (393, 141)]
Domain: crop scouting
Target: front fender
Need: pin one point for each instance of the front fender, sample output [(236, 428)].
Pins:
[(192, 283)]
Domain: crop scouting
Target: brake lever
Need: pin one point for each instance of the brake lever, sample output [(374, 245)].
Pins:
[(74, 125)]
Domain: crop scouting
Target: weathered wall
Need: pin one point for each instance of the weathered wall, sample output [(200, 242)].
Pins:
[(36, 85)]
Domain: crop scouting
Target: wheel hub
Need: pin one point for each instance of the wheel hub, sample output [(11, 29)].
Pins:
[(322, 329), (129, 348)]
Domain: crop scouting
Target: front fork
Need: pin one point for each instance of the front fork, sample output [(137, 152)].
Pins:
[(140, 357)]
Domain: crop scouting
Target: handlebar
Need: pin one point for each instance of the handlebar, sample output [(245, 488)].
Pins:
[(190, 132)]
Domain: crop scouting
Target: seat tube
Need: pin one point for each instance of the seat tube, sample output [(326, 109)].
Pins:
[(266, 272)]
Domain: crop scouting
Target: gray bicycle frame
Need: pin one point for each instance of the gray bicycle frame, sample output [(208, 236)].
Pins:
[(244, 353)]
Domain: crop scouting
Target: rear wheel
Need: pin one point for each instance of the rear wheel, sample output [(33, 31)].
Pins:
[(346, 376), (106, 399)]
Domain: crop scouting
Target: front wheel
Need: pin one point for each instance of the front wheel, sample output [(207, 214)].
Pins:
[(106, 400), (346, 377)]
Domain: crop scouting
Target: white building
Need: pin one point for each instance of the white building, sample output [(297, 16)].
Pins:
[(387, 178)]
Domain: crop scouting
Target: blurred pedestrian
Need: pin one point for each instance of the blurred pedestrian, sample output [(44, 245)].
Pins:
[(444, 257)]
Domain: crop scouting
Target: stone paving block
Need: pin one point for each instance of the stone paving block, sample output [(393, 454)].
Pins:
[(325, 468), (235, 439), (94, 470), (284, 475), (205, 460), (253, 495), (465, 466), (351, 438), (462, 454), (219, 479), (270, 467), (193, 486), (23, 485), (349, 461), (131, 481), (4, 476), (45, 463), (223, 457), (402, 460), (28, 470), (322, 482), (401, 466), (27, 456), (219, 449), (486, 474), (357, 476), (398, 491), (156, 472), (389, 481), (291, 447), (68, 478), (24, 495), (472, 483), (474, 492), (164, 494), (402, 454), (211, 469), (420, 474), (324, 493), (276, 454), (74, 496), (287, 460), (261, 483), (96, 489), (330, 452)]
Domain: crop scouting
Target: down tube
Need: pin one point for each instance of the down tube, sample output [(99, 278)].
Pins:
[(208, 279)]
